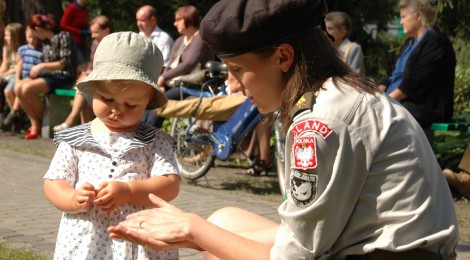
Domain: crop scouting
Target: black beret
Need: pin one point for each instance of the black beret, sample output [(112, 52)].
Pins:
[(235, 27)]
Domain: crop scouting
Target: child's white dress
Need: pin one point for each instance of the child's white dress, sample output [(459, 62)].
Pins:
[(80, 158)]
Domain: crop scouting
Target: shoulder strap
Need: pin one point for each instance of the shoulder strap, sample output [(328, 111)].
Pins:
[(305, 102)]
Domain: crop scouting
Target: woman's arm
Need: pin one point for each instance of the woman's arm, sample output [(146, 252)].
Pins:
[(398, 95), (18, 68), (36, 69), (167, 227)]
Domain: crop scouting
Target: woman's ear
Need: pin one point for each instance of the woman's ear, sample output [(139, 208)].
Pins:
[(286, 56)]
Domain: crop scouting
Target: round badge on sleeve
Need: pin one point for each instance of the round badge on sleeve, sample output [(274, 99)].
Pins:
[(303, 187)]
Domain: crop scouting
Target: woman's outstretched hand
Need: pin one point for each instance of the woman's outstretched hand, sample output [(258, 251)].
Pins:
[(164, 227)]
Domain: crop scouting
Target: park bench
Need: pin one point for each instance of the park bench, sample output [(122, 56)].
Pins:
[(56, 109), (445, 127)]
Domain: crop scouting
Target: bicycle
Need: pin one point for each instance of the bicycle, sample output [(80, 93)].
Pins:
[(211, 140)]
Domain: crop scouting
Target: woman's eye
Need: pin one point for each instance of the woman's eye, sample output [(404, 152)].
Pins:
[(130, 106)]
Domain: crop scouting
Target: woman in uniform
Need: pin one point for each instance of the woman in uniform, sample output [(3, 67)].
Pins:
[(362, 180)]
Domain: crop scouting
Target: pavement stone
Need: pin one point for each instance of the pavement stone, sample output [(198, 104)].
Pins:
[(28, 220)]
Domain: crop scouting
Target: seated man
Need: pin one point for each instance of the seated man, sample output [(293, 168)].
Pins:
[(221, 108)]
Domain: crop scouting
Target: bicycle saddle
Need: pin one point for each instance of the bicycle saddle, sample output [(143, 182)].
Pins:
[(216, 68), (193, 79)]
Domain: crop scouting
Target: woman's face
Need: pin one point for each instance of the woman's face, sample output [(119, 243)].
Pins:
[(336, 32), (410, 22), (121, 104), (179, 24), (259, 78)]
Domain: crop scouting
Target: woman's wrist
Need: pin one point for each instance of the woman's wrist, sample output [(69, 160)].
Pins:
[(195, 230)]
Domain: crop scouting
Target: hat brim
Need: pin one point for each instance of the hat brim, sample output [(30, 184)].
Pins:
[(117, 71)]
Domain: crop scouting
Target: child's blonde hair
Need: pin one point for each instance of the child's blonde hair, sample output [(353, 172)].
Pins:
[(18, 38)]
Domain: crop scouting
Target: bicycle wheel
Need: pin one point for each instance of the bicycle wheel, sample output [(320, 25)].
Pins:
[(193, 150), (280, 154)]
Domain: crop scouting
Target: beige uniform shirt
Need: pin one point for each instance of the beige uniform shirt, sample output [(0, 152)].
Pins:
[(362, 176)]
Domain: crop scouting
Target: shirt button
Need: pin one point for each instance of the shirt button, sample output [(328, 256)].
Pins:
[(112, 170), (110, 176), (114, 163)]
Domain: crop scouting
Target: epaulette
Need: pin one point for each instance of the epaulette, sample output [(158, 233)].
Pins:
[(305, 102)]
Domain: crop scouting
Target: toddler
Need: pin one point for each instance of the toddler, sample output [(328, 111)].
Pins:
[(105, 169)]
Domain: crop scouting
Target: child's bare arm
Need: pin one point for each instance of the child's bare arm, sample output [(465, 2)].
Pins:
[(111, 195), (18, 68), (67, 199)]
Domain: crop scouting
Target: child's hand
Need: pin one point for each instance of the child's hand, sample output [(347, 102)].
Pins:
[(35, 70), (84, 197), (111, 195)]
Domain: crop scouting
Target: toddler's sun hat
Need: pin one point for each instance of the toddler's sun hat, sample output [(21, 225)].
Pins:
[(126, 56)]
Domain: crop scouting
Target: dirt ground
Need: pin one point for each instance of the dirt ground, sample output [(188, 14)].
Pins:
[(264, 187)]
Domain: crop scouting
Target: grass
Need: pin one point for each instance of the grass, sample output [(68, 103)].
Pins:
[(19, 253)]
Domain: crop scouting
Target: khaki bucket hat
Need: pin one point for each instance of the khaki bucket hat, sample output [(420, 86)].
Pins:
[(126, 56)]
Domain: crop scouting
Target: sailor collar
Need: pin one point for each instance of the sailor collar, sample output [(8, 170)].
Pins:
[(81, 135)]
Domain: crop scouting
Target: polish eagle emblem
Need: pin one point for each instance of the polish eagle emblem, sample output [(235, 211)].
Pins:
[(304, 153)]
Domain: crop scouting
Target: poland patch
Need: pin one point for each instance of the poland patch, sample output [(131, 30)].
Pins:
[(304, 149), (311, 125)]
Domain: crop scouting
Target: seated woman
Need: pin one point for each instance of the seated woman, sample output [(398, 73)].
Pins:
[(339, 25), (100, 26), (57, 71), (188, 54)]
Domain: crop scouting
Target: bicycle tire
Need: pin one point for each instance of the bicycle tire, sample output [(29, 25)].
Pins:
[(280, 154), (185, 148)]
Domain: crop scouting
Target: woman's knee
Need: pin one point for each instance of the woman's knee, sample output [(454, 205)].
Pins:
[(8, 92), (223, 216), (31, 87)]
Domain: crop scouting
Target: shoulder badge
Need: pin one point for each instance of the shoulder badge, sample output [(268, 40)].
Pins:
[(305, 102), (303, 188)]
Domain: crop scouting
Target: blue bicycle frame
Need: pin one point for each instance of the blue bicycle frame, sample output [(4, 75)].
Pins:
[(226, 135)]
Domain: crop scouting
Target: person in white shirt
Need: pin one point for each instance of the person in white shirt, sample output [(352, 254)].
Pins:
[(147, 22)]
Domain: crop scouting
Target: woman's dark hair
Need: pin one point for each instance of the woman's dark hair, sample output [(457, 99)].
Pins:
[(315, 61), (44, 21), (190, 15)]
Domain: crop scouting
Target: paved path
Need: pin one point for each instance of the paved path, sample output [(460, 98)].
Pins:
[(28, 220)]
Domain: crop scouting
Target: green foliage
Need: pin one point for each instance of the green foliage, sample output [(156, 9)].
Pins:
[(454, 18), (450, 146), (462, 91), (381, 55), (166, 125)]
